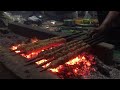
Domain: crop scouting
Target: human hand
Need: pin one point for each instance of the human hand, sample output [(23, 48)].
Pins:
[(96, 32)]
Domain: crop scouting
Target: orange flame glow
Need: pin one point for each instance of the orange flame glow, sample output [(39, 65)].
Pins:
[(16, 46), (79, 65), (34, 53), (33, 40)]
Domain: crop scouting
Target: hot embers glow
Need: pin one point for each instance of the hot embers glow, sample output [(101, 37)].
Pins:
[(15, 47), (82, 65), (33, 40), (34, 53), (28, 55)]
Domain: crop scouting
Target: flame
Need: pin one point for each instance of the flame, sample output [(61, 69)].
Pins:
[(34, 53), (75, 70), (15, 47), (46, 65), (33, 40), (17, 51), (42, 61), (55, 70)]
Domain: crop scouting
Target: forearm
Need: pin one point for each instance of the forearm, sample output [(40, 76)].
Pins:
[(110, 19)]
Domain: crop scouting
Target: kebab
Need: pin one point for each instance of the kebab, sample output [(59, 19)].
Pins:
[(43, 46), (70, 55), (51, 52), (36, 43), (56, 54), (60, 54), (47, 40), (56, 48), (48, 44), (65, 58)]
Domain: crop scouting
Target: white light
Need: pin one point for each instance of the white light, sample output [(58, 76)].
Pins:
[(47, 26), (53, 22), (40, 16)]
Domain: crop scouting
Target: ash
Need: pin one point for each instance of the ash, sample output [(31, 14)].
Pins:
[(112, 73)]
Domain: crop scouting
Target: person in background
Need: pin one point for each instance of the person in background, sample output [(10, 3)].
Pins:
[(109, 26)]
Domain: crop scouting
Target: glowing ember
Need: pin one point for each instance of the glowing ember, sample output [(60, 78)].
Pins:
[(17, 51), (74, 61), (75, 70), (42, 61), (33, 40), (33, 53), (54, 70), (88, 64), (30, 55), (79, 66), (16, 46)]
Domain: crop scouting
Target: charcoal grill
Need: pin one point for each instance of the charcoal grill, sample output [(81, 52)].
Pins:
[(27, 70)]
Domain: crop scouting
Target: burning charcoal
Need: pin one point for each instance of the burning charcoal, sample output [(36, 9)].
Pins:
[(68, 72), (53, 51), (45, 42), (60, 54), (32, 44), (65, 58), (40, 44)]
